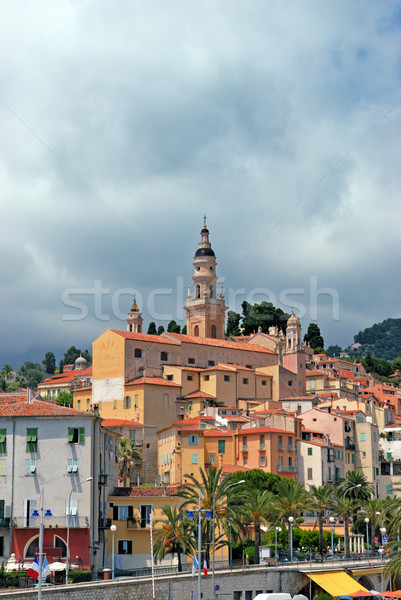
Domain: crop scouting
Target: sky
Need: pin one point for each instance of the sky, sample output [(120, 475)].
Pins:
[(124, 122)]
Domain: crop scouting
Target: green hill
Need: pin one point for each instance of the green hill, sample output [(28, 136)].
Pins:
[(382, 340)]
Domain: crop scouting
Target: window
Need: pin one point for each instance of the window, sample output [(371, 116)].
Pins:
[(194, 459), (262, 461), (388, 455), (3, 441), (31, 440), (374, 436), (212, 458), (245, 461), (138, 353), (310, 451), (310, 473), (193, 440), (127, 401), (124, 547), (290, 461), (132, 435), (222, 446), (122, 513), (359, 419), (29, 507), (146, 509), (88, 404), (290, 382), (389, 489), (71, 511), (189, 377), (226, 378), (364, 454), (262, 442), (190, 406), (211, 363), (169, 378), (312, 384), (362, 437), (136, 401), (245, 380), (353, 458), (289, 447), (264, 382), (30, 466), (163, 356), (2, 466), (191, 361), (207, 377), (72, 465), (76, 435), (79, 405)]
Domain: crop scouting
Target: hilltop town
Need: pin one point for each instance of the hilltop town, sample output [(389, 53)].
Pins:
[(183, 403)]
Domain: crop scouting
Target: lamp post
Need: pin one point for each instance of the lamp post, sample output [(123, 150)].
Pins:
[(367, 536), (36, 513), (291, 520), (67, 562), (331, 519), (113, 530), (278, 529), (381, 552), (208, 515), (347, 550), (353, 487), (214, 524)]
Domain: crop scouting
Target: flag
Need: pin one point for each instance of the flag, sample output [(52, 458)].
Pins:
[(205, 566), (33, 570), (46, 570), (195, 565)]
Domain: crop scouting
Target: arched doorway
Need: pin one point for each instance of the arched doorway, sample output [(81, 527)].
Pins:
[(196, 331), (214, 332)]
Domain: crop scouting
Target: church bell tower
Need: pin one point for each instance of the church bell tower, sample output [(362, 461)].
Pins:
[(205, 312)]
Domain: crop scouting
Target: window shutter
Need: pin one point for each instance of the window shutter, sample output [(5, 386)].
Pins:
[(82, 435), (29, 434), (115, 513), (74, 506), (130, 512), (129, 547), (70, 435), (34, 435), (3, 435)]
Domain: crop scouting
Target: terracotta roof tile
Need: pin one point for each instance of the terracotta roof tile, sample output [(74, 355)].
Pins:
[(198, 394), (143, 492), (121, 423), (214, 342), (20, 407), (152, 381), (144, 337)]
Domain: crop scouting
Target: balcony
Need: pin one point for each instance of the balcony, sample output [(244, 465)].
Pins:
[(262, 447), (4, 522), (287, 469), (281, 447), (132, 523), (104, 523), (244, 448)]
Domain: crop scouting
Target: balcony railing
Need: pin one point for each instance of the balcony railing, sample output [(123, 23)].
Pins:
[(244, 448), (132, 523), (4, 522), (104, 523), (262, 447), (287, 469)]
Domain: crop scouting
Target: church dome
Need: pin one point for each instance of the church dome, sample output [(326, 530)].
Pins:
[(204, 252), (293, 320), (80, 361)]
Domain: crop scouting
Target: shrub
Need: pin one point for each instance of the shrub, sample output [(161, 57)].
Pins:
[(79, 576)]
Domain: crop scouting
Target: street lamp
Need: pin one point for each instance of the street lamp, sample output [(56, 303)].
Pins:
[(208, 515), (353, 487), (67, 562), (291, 520), (367, 536), (214, 522), (113, 530), (36, 513), (278, 529), (331, 519), (381, 552)]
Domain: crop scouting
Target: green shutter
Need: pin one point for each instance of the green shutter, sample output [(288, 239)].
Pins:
[(28, 434), (3, 433), (34, 435), (82, 435), (70, 435)]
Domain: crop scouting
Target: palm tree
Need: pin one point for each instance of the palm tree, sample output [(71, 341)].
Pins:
[(374, 510), (174, 536), (290, 500), (215, 493), (356, 486), (258, 508), (128, 457), (320, 496), (344, 508)]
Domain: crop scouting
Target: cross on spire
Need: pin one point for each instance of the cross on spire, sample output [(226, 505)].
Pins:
[(204, 220)]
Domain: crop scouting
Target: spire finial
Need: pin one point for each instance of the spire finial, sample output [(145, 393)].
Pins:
[(204, 220)]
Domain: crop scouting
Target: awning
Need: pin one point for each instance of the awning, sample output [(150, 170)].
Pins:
[(336, 583)]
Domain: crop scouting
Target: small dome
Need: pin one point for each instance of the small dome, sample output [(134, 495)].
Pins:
[(293, 320), (204, 252), (204, 229), (80, 360)]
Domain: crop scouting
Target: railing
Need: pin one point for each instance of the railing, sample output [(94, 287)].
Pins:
[(132, 523), (244, 448), (262, 447), (287, 469), (104, 523), (4, 522)]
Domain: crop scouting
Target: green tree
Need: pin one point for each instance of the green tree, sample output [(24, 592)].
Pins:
[(152, 328), (49, 362), (184, 330), (373, 509), (344, 508), (174, 536), (71, 355), (291, 499), (259, 510), (320, 496), (32, 374), (233, 321), (356, 486), (313, 336), (160, 330), (128, 458), (65, 398), (7, 370), (173, 327), (334, 350), (262, 315), (61, 367), (257, 479)]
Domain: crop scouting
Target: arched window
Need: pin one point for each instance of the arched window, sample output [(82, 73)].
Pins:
[(197, 291), (289, 343), (32, 548), (130, 327), (60, 543), (196, 331), (211, 291), (214, 332)]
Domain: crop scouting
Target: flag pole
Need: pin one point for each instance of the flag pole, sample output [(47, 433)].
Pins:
[(151, 554), (40, 545)]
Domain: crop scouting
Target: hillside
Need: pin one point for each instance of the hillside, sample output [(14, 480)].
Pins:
[(382, 340)]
